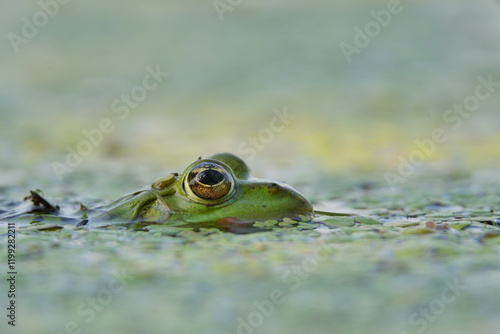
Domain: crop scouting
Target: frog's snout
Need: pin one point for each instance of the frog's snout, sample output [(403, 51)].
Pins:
[(290, 198)]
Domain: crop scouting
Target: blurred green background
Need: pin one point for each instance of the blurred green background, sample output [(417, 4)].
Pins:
[(226, 77)]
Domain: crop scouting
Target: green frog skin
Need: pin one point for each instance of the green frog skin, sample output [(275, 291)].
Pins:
[(207, 191)]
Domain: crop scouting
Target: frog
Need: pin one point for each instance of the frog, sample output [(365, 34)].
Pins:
[(218, 188)]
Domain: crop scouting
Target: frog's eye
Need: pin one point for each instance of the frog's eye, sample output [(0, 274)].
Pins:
[(209, 181)]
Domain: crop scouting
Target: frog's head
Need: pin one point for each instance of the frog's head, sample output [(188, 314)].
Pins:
[(221, 186)]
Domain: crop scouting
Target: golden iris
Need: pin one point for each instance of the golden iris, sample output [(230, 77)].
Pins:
[(209, 181)]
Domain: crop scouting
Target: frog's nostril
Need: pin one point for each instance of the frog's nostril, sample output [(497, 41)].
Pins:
[(273, 188)]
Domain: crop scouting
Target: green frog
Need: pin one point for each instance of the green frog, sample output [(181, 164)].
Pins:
[(217, 189)]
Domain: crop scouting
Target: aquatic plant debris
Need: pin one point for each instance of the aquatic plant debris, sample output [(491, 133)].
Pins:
[(388, 255)]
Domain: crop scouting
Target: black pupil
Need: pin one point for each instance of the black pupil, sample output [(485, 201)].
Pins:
[(210, 177)]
